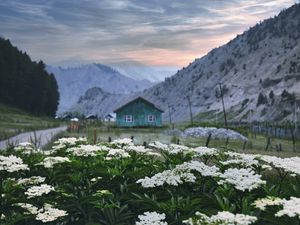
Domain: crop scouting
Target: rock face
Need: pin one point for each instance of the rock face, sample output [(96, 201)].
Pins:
[(74, 82), (259, 71), (98, 102)]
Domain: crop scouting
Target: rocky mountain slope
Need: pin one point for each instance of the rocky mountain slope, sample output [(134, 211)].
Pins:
[(74, 82), (139, 71), (98, 102), (259, 72)]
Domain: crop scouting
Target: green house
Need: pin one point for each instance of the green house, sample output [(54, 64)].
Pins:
[(138, 113)]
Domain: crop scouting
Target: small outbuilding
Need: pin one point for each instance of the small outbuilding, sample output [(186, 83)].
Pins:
[(111, 117), (139, 113)]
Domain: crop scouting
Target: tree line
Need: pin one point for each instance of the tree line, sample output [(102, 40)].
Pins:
[(26, 84)]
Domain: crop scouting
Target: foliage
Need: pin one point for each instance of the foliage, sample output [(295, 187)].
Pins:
[(120, 183), (26, 84)]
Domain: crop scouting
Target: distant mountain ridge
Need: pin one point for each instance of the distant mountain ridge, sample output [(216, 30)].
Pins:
[(139, 71), (75, 81)]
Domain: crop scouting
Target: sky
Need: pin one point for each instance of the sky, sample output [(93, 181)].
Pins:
[(158, 33)]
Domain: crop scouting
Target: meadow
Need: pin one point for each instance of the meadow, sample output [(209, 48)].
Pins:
[(119, 182), (14, 121)]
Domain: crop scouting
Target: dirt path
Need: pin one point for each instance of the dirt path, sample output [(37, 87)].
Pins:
[(42, 137)]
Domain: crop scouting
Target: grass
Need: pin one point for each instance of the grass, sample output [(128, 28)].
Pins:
[(255, 145), (14, 121)]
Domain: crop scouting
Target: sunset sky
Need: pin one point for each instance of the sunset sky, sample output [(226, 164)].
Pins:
[(165, 33)]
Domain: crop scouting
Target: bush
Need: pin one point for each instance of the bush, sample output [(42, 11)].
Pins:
[(115, 183)]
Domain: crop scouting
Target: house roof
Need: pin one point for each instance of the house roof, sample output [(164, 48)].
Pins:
[(138, 98)]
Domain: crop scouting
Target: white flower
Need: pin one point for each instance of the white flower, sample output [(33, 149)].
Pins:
[(178, 175), (49, 162), (86, 150), (30, 208), (222, 218), (152, 218), (170, 149), (68, 142), (263, 202), (48, 214), (158, 145), (139, 149), (247, 160), (204, 151), (122, 142), (35, 191), (291, 207), (31, 180), (12, 164), (117, 153), (96, 179), (291, 165), (266, 167), (242, 179)]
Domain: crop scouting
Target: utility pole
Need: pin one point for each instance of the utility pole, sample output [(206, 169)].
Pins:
[(224, 112), (170, 117), (190, 107)]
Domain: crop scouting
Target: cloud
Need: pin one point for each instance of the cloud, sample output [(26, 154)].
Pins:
[(156, 32)]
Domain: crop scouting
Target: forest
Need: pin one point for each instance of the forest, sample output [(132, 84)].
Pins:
[(26, 84)]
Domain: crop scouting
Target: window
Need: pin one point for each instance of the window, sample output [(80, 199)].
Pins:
[(151, 118), (128, 118)]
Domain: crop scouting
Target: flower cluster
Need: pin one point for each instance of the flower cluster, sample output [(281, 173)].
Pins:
[(28, 207), (68, 142), (119, 143), (117, 154), (86, 150), (221, 218), (291, 208), (268, 201), (170, 149), (36, 191), (12, 164), (204, 151), (31, 180), (49, 162), (291, 165), (48, 213), (242, 179), (178, 175), (152, 218), (26, 148), (247, 160), (139, 149)]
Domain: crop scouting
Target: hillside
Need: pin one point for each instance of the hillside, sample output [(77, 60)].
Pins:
[(74, 82), (139, 71), (26, 84), (14, 121), (98, 102), (263, 61)]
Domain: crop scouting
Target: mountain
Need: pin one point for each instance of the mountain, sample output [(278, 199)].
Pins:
[(26, 84), (98, 102), (139, 71), (259, 72), (74, 82)]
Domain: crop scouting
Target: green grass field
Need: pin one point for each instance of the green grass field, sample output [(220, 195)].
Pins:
[(254, 145), (14, 121)]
